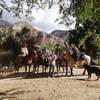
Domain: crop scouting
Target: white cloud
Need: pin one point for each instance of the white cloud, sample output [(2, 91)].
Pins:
[(44, 19)]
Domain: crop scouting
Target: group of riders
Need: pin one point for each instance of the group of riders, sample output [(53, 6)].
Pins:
[(52, 56)]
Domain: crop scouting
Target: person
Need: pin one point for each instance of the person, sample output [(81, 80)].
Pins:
[(82, 55), (66, 44), (52, 63), (24, 50), (23, 53), (57, 49), (68, 48), (75, 52)]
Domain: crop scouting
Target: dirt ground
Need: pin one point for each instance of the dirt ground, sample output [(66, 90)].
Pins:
[(21, 86)]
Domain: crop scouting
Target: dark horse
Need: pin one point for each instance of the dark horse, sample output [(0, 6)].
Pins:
[(24, 61), (43, 61)]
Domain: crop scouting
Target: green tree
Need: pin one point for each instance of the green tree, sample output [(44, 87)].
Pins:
[(81, 9), (86, 12)]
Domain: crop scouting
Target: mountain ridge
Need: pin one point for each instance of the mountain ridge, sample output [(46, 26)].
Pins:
[(4, 24)]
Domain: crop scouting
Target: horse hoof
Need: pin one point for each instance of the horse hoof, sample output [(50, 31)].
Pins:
[(71, 75), (66, 74), (83, 74)]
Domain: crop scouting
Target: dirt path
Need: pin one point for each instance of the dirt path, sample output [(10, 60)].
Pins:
[(17, 87)]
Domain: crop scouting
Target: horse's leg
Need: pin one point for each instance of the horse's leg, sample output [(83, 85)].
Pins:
[(66, 70), (43, 68), (29, 68), (34, 68), (71, 69), (59, 68), (46, 68), (63, 68), (25, 68), (16, 68), (38, 68)]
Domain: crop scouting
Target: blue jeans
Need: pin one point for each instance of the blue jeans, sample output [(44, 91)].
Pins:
[(51, 70)]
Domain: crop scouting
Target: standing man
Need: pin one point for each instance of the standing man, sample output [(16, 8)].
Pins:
[(52, 63)]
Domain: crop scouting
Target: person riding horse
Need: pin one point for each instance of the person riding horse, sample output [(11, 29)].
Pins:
[(24, 50), (73, 50), (21, 58), (26, 58), (57, 49), (82, 55)]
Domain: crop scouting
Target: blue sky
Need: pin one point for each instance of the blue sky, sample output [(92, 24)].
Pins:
[(44, 19)]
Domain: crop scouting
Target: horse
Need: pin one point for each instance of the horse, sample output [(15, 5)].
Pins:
[(24, 61), (42, 60), (59, 63), (69, 61)]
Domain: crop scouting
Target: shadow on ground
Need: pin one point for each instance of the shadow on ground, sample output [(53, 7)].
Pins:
[(11, 93), (23, 75)]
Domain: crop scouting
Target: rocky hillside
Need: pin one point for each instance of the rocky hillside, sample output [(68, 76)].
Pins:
[(18, 27), (49, 38), (4, 23), (63, 34), (42, 37)]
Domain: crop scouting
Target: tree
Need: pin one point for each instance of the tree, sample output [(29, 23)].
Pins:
[(86, 12), (81, 9), (86, 38)]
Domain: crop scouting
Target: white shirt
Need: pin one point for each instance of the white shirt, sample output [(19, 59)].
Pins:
[(24, 51)]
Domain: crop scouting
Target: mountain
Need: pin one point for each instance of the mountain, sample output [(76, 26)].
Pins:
[(17, 26), (50, 39), (4, 24), (63, 34), (20, 25), (43, 38)]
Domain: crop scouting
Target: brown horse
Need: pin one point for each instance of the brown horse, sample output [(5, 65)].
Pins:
[(67, 59), (24, 61)]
